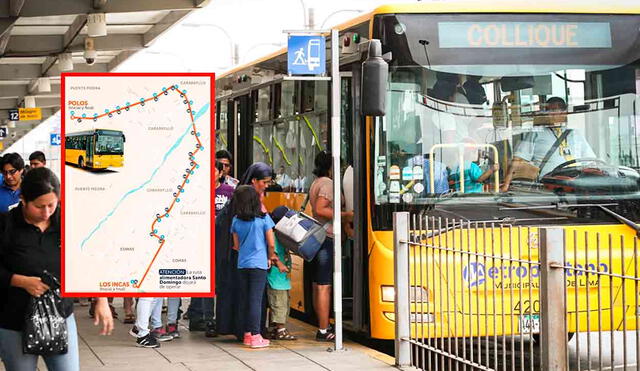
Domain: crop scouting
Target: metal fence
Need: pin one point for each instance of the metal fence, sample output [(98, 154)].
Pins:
[(482, 296)]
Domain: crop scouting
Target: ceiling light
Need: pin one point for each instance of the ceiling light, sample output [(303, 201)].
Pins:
[(44, 85), (29, 101), (97, 24)]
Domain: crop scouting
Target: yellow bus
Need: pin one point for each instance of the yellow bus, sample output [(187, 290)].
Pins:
[(95, 149), (470, 86)]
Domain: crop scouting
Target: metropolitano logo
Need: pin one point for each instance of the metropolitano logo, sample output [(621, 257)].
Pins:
[(474, 274)]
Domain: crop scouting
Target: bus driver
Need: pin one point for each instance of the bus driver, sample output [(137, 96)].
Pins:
[(541, 151)]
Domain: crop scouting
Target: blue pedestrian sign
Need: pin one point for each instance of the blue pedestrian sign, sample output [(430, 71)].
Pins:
[(55, 139), (306, 55)]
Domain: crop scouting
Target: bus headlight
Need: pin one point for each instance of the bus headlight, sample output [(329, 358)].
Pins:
[(417, 294), (388, 293)]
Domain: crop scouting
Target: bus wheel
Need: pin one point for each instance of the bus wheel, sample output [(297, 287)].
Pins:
[(81, 163)]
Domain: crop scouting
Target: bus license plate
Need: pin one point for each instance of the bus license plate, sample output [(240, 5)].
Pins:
[(530, 324)]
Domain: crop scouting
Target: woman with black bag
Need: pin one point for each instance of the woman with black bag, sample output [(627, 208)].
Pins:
[(31, 310)]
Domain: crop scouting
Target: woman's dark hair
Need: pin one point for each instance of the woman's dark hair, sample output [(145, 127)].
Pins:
[(323, 164), (38, 182), (246, 203), (219, 165), (257, 170)]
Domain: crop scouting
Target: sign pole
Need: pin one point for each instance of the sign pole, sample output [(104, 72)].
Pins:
[(337, 186), (306, 56)]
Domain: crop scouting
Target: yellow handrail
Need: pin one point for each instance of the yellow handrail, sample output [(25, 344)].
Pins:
[(279, 147), (315, 135), (264, 148)]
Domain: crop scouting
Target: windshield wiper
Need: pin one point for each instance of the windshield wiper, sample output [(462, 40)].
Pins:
[(621, 219)]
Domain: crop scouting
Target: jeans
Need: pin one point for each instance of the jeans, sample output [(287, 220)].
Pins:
[(172, 310), (15, 360), (148, 308), (201, 309), (323, 264), (254, 281)]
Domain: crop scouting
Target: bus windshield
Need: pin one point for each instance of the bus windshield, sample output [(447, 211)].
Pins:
[(526, 107), (110, 144)]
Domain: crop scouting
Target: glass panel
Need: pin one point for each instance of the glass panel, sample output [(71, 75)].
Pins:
[(313, 139), (262, 104), (288, 98), (285, 160), (308, 91), (262, 144), (222, 130), (321, 95)]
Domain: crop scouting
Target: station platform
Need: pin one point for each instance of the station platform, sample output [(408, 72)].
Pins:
[(193, 351)]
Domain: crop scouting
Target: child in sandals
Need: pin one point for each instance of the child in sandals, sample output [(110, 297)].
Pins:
[(278, 286)]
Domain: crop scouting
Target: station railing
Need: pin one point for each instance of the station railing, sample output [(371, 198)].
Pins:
[(488, 296)]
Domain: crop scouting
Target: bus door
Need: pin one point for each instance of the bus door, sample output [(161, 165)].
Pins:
[(91, 146), (354, 250)]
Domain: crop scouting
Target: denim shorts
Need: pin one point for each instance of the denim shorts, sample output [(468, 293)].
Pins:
[(323, 264)]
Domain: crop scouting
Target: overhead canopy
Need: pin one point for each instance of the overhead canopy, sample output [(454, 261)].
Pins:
[(33, 34)]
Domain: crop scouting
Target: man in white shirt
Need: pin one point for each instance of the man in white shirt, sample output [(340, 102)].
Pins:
[(536, 145)]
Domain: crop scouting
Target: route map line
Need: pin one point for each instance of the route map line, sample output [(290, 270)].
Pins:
[(153, 174), (189, 171)]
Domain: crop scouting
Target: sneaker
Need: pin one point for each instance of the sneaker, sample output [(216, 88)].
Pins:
[(327, 336), (258, 342), (148, 341), (247, 339), (210, 330), (172, 330), (161, 334), (134, 332)]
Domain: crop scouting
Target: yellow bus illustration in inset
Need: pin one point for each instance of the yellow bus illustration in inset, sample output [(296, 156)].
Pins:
[(95, 149)]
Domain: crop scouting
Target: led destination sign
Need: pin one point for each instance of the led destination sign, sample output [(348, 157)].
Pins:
[(524, 34)]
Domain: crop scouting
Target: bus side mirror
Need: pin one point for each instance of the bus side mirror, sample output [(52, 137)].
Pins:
[(124, 139), (375, 72)]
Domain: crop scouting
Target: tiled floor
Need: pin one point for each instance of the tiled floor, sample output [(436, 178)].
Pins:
[(195, 352)]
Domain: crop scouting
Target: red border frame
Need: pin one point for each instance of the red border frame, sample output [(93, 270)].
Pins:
[(63, 118)]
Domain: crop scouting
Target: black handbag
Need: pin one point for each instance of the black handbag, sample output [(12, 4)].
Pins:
[(45, 329)]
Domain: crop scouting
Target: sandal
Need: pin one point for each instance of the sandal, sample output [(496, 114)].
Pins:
[(283, 334), (327, 336)]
